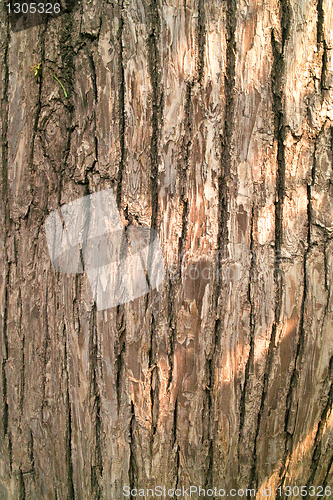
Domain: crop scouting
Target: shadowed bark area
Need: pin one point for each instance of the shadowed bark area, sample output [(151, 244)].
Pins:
[(211, 121)]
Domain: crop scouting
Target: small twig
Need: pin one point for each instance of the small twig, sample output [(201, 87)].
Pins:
[(63, 88)]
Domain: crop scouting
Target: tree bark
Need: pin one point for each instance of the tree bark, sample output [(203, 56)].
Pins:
[(212, 123)]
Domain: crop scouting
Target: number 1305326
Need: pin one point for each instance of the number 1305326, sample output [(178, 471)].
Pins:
[(34, 8), (312, 491)]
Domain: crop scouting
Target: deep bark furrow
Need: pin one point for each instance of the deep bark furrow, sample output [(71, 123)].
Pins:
[(40, 87), (322, 42), (154, 65), (201, 39), (21, 486), (226, 156), (250, 360), (45, 352), (268, 366), (157, 103), (93, 75), (172, 330), (120, 351), (5, 411), (97, 463), (154, 390), (23, 367), (6, 226), (328, 475), (132, 466), (31, 452), (121, 106)]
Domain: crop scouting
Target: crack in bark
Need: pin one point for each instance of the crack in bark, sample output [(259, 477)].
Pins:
[(133, 473), (5, 411), (93, 75), (31, 452), (321, 41), (120, 350), (154, 397), (21, 486), (68, 435), (328, 474), (97, 461), (45, 349), (201, 39), (250, 360), (154, 383), (22, 381), (157, 102)]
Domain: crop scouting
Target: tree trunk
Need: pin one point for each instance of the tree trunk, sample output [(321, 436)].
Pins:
[(212, 123)]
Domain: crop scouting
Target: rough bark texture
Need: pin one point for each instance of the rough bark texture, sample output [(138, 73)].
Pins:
[(212, 122)]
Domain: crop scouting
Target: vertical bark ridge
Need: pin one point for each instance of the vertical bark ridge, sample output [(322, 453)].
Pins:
[(223, 218), (183, 166), (299, 352), (154, 65), (278, 69)]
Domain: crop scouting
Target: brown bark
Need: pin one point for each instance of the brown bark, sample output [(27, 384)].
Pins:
[(212, 122)]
